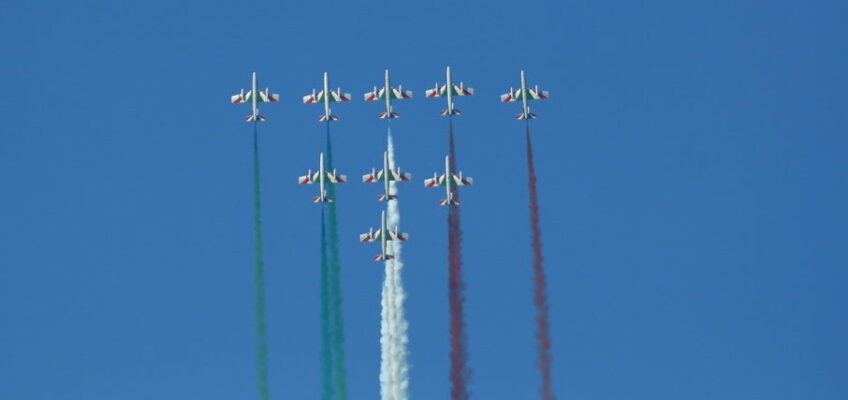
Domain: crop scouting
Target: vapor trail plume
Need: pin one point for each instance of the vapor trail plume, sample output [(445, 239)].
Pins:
[(337, 324), (386, 339), (326, 299), (540, 297), (259, 277), (460, 373), (396, 365)]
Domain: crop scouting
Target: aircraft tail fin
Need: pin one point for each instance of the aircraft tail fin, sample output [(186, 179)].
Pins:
[(452, 112), (385, 115), (327, 199)]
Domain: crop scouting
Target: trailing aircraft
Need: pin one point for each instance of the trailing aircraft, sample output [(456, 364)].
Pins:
[(386, 175), (449, 90), (387, 93), (322, 177), (254, 96), (326, 96), (524, 94), (447, 179), (383, 235)]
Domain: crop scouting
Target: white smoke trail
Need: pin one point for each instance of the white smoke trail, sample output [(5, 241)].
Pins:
[(394, 368), (386, 340), (387, 331)]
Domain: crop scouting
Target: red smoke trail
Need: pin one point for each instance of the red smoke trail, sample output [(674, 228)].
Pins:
[(540, 296), (459, 372)]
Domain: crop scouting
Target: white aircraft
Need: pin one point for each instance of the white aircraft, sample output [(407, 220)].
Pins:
[(381, 94), (322, 177), (254, 96), (449, 90), (326, 96), (383, 235), (524, 94), (386, 175), (445, 180)]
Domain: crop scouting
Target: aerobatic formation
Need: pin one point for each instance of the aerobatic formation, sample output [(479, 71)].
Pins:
[(394, 367)]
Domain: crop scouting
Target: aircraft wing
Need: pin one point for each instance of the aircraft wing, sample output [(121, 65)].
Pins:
[(438, 181), (380, 94), (456, 90), (511, 96), (338, 96), (312, 97), (397, 175), (238, 98), (266, 96), (395, 235), (247, 97), (460, 180), (434, 92), (332, 177), (309, 178), (375, 94), (459, 90), (370, 177), (532, 94), (372, 236), (398, 93), (536, 94), (318, 97)]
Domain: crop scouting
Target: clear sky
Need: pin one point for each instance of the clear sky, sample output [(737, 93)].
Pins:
[(692, 181)]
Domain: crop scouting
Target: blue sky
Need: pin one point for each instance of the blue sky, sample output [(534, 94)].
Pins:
[(692, 186)]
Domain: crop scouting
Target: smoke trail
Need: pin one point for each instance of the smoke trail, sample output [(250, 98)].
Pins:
[(460, 373), (386, 340), (540, 297), (259, 278), (335, 305), (326, 349), (394, 369)]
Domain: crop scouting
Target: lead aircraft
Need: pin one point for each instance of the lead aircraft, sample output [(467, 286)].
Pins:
[(383, 235), (387, 93), (446, 180), (322, 177), (449, 90), (524, 94), (254, 96), (386, 175), (326, 96)]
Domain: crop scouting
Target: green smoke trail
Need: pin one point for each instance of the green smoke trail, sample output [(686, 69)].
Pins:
[(259, 278), (337, 331), (326, 349)]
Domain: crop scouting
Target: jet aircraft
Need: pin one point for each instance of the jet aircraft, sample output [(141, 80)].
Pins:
[(383, 235), (386, 175), (387, 93), (326, 96), (322, 177), (449, 90), (524, 94), (446, 180), (254, 96)]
